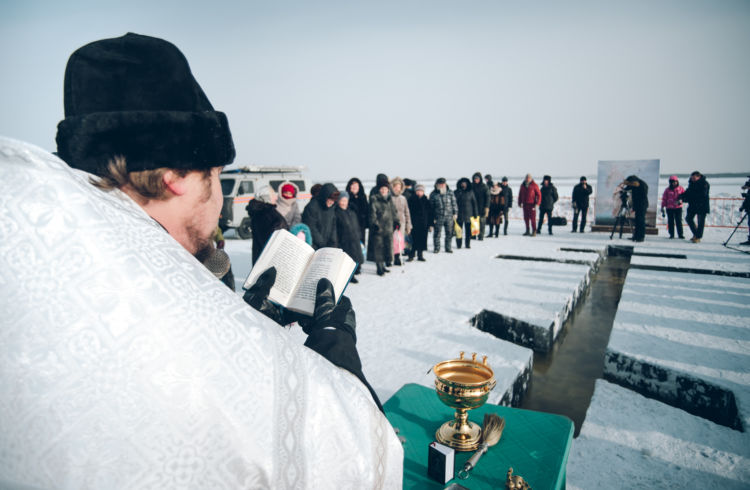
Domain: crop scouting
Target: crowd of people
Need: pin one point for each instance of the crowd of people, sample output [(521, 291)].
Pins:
[(400, 215)]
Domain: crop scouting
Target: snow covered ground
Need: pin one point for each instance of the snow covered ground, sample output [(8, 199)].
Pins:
[(420, 314), (629, 441), (685, 339)]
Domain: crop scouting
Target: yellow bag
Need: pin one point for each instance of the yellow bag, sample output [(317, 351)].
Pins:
[(474, 225), (457, 230)]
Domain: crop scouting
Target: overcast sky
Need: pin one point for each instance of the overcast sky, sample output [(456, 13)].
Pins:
[(424, 88)]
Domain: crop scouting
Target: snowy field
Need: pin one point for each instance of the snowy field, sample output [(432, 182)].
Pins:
[(629, 441), (421, 313), (690, 333)]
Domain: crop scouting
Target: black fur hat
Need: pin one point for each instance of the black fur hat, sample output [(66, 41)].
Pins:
[(135, 96)]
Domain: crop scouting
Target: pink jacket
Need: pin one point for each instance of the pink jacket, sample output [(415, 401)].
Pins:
[(669, 198)]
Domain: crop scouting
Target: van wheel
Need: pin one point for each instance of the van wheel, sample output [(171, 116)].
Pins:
[(244, 229)]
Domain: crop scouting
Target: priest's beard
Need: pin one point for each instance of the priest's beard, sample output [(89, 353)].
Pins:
[(203, 246)]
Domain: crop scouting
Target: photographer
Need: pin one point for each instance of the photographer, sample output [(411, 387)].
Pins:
[(639, 192), (746, 208)]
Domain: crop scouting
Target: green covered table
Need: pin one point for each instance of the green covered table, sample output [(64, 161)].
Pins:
[(534, 444)]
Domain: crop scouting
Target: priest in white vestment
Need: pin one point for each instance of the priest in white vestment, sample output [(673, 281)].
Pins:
[(124, 363)]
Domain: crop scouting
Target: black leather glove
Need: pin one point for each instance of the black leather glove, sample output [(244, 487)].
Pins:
[(332, 332), (257, 297), (328, 314)]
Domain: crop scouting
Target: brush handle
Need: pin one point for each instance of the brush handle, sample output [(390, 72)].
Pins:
[(473, 460)]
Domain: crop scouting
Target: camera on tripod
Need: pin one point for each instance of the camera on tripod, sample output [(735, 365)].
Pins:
[(625, 201)]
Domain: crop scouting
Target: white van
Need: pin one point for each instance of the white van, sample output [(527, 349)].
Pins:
[(239, 185)]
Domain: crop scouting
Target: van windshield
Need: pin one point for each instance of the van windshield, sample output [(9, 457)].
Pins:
[(226, 186)]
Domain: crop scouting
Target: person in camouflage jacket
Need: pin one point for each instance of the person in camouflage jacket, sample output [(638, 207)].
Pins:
[(444, 212)]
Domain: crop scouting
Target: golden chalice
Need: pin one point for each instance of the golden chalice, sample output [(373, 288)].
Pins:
[(462, 384)]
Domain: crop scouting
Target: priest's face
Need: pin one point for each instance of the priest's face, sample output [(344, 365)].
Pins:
[(202, 209)]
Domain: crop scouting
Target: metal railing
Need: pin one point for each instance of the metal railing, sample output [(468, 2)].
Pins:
[(725, 211)]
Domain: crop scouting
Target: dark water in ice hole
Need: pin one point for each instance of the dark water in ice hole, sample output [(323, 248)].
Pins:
[(562, 380)]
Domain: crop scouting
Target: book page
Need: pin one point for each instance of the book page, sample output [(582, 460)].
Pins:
[(290, 256), (327, 262), (345, 272)]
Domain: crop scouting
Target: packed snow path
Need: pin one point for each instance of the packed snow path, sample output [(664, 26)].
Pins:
[(418, 315)]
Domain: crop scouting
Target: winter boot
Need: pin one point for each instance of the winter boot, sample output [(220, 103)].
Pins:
[(381, 268), (420, 257), (397, 259)]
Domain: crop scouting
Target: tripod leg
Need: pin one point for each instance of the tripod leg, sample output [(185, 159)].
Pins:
[(735, 229)]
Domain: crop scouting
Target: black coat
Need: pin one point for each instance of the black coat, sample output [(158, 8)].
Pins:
[(639, 195), (581, 196), (481, 193), (466, 202), (264, 220), (347, 229), (421, 220), (321, 219), (697, 196), (383, 221), (508, 194), (549, 196), (358, 203)]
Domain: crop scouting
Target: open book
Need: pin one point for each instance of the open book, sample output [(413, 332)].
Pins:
[(298, 269)]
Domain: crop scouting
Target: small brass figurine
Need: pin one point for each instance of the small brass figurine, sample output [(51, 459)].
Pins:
[(462, 384), (515, 482)]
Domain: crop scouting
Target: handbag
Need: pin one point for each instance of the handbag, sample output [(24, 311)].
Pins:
[(558, 221), (457, 232), (398, 242), (474, 225)]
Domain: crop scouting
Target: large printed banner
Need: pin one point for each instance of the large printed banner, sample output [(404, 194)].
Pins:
[(611, 174)]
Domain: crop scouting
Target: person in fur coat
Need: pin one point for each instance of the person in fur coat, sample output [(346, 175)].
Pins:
[(402, 211), (264, 219), (347, 228), (358, 203), (383, 221), (497, 202), (420, 211), (467, 207), (380, 180)]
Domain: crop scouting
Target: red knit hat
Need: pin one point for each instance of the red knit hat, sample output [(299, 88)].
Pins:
[(288, 190)]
